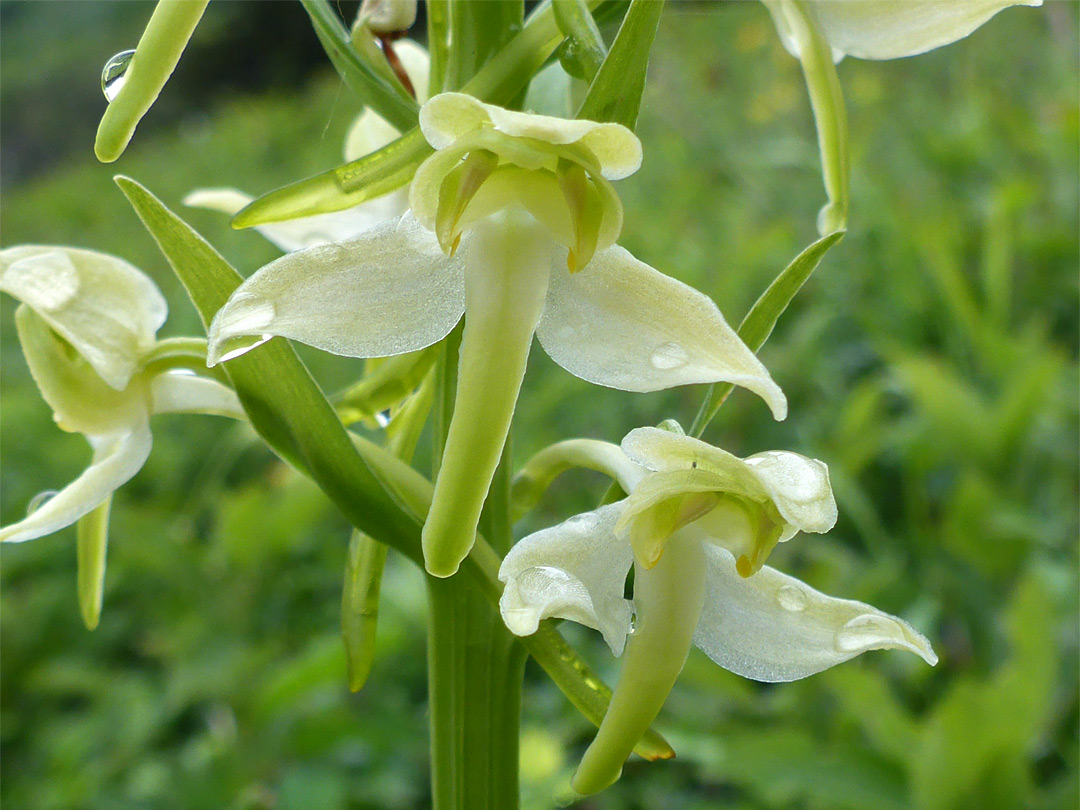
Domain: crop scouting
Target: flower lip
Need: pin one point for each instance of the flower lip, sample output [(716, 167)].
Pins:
[(449, 116)]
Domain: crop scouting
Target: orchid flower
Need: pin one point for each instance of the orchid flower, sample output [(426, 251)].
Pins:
[(87, 326), (821, 32), (697, 526), (369, 132), (513, 222)]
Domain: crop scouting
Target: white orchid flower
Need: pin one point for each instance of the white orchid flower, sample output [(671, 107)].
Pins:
[(697, 526), (369, 132), (87, 326), (513, 224), (821, 32)]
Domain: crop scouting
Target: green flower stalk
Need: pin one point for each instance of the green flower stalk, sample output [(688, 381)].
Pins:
[(87, 327), (821, 32), (697, 527), (512, 223)]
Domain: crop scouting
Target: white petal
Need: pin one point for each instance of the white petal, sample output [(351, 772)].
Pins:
[(448, 116), (887, 29), (772, 627), (622, 324), (797, 485), (116, 459), (576, 571), (176, 392), (108, 310), (81, 400), (305, 232), (387, 292)]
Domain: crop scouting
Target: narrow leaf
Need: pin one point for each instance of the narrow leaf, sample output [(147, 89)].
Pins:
[(92, 538), (760, 321), (279, 395), (375, 89), (615, 93)]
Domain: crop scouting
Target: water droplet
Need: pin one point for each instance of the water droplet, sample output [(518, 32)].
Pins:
[(47, 281), (238, 346), (39, 501), (114, 74), (867, 632), (792, 597), (382, 418), (668, 356)]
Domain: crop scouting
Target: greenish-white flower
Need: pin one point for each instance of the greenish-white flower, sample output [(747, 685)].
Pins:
[(369, 132), (513, 223), (821, 32), (87, 326), (697, 526)]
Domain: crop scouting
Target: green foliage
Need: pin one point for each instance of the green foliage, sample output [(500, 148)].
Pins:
[(931, 361)]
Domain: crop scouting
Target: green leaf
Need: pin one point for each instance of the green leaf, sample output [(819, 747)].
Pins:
[(762, 317), (92, 538), (499, 81), (388, 98), (478, 30), (615, 93), (279, 395)]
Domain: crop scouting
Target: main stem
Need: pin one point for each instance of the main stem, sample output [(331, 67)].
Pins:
[(475, 667)]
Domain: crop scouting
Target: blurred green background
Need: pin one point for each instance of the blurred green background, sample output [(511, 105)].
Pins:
[(931, 361)]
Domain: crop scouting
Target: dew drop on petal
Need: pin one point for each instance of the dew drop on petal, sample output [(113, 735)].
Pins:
[(866, 632), (668, 356), (242, 345), (791, 597), (114, 74), (39, 501)]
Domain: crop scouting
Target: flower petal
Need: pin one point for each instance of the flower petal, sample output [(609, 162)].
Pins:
[(886, 29), (305, 232), (80, 399), (772, 627), (449, 116), (108, 310), (576, 570), (389, 291), (797, 485), (117, 458), (177, 392), (622, 324)]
